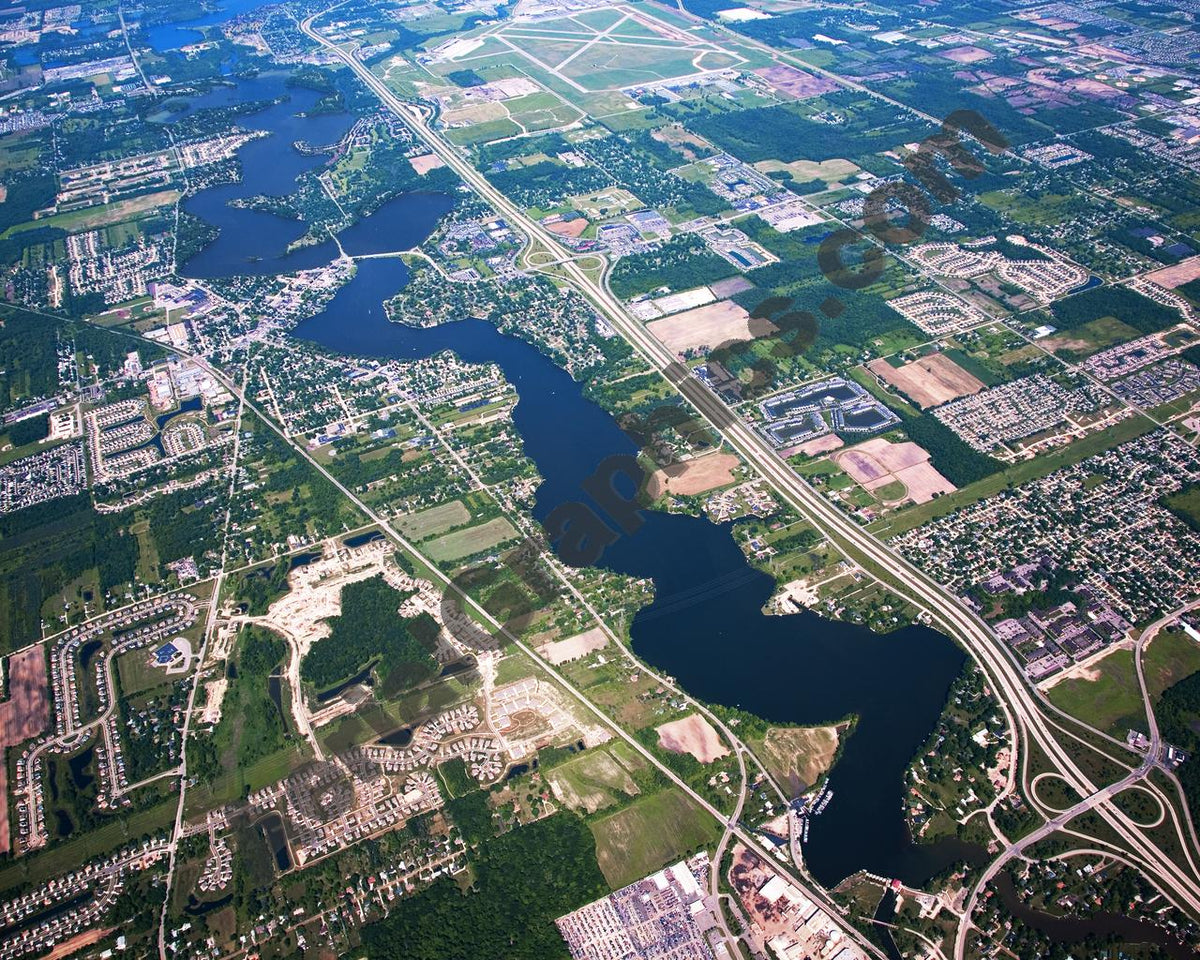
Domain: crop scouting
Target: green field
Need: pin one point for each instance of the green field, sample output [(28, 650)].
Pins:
[(484, 132), (541, 111), (1046, 209), (597, 779), (605, 66), (435, 520), (1112, 702), (472, 540), (91, 218), (650, 834), (63, 857), (1098, 334), (1186, 505), (1167, 659)]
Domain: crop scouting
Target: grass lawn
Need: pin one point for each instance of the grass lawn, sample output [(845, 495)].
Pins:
[(1111, 702), (435, 520), (472, 540), (650, 834), (137, 674), (1168, 658)]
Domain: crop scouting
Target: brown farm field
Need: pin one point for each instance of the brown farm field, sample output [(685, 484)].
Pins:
[(877, 463), (429, 161), (695, 476), (928, 381), (1177, 274), (707, 326), (692, 734)]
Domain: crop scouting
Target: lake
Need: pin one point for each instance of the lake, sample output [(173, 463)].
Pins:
[(705, 626), (180, 33)]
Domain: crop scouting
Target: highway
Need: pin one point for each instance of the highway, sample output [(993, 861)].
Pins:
[(1022, 709)]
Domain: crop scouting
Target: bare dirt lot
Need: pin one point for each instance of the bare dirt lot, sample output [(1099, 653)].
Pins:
[(967, 54), (876, 463), (929, 381), (78, 942), (692, 734), (830, 441), (23, 715), (799, 756), (1176, 275), (694, 476), (569, 228), (729, 286), (580, 645), (430, 161), (795, 83), (707, 326)]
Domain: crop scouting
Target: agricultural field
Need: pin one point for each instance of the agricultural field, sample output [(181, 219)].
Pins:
[(471, 541), (597, 779), (650, 833)]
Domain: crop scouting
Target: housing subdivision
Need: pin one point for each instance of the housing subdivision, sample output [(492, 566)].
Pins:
[(832, 405), (937, 314), (992, 421), (1097, 529), (44, 476)]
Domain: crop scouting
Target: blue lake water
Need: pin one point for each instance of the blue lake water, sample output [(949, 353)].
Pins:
[(255, 242), (705, 627), (172, 36)]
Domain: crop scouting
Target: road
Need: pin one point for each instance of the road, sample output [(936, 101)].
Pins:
[(209, 629)]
